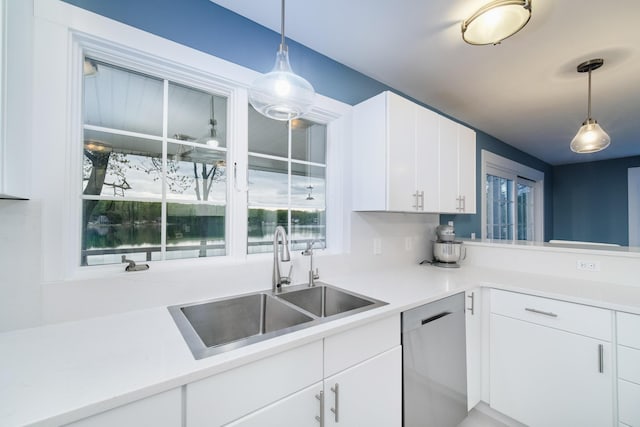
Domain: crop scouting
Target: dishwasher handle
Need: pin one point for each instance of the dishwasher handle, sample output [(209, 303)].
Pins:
[(436, 317)]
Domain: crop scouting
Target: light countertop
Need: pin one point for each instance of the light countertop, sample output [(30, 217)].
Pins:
[(59, 373)]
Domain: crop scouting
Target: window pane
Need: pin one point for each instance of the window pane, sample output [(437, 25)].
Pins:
[(195, 230), (122, 99), (308, 226), (307, 186), (121, 166), (500, 217), (525, 212), (308, 141), (115, 228), (196, 173), (262, 225), (197, 116), (267, 136), (268, 183)]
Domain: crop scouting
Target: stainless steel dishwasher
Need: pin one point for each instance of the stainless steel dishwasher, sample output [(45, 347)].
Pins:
[(434, 373)]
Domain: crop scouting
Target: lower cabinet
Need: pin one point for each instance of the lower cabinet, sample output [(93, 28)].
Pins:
[(162, 410), (368, 394), (628, 369), (295, 410), (351, 378), (551, 362)]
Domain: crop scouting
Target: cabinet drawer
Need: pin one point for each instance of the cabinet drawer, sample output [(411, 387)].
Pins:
[(230, 395), (628, 407), (629, 329), (355, 345), (580, 319), (629, 364)]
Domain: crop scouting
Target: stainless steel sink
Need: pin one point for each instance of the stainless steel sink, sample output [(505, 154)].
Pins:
[(216, 326), (327, 301)]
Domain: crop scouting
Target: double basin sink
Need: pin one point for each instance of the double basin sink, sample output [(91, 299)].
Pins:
[(215, 326)]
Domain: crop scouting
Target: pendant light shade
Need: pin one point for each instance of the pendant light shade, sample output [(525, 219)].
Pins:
[(281, 94), (496, 21), (590, 138)]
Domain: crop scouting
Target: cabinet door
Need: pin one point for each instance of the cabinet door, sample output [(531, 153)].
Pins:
[(448, 132), (161, 410), (545, 377), (473, 330), (401, 156), (467, 169), (368, 394), (300, 410), (426, 158)]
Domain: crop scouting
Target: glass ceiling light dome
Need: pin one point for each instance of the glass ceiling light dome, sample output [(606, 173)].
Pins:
[(590, 138), (496, 21), (281, 94)]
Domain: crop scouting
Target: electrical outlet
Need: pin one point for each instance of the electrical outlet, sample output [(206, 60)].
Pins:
[(377, 246), (588, 265)]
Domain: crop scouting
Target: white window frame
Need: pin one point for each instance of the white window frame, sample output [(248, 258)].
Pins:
[(64, 34), (496, 165)]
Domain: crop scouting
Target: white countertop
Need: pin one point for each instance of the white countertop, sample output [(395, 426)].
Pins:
[(60, 373)]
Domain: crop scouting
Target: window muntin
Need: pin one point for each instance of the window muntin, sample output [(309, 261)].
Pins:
[(148, 194), (287, 181)]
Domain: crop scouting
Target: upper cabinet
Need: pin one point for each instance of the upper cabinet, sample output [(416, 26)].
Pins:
[(15, 97), (410, 159)]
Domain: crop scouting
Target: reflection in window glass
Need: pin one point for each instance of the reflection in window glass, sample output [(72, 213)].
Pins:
[(139, 200), (112, 229), (286, 188), (122, 99)]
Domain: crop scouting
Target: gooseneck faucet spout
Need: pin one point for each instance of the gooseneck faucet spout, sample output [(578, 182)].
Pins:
[(278, 280)]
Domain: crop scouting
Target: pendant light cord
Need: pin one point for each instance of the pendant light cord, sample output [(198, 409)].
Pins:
[(283, 47), (589, 98)]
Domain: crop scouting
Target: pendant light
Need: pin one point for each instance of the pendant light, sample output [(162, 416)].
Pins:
[(281, 94), (496, 21), (591, 137)]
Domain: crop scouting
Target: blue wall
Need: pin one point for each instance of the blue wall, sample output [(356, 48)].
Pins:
[(467, 224), (591, 202), (207, 27)]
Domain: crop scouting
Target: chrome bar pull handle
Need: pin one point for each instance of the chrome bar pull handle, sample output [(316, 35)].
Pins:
[(601, 358), (472, 308), (320, 418), (421, 200), (336, 400), (464, 203), (545, 313), (416, 195)]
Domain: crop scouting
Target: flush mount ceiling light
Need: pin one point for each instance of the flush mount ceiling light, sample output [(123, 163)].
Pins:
[(496, 21), (281, 94), (590, 137)]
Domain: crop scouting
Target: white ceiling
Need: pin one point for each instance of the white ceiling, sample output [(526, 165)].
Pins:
[(525, 91)]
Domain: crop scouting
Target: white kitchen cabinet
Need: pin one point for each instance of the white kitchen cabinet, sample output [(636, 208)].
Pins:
[(394, 154), (457, 165), (300, 410), (162, 410), (628, 326), (233, 394), (551, 362), (407, 158), (16, 65), (473, 331), (281, 389), (368, 394)]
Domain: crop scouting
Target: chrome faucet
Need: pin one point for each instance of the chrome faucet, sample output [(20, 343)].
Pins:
[(313, 275), (277, 279)]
